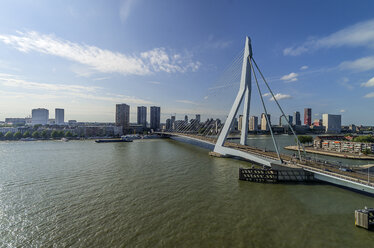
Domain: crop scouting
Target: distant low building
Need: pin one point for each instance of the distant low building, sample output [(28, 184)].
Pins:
[(98, 131), (352, 128), (339, 144), (15, 121), (317, 122), (136, 128), (72, 122)]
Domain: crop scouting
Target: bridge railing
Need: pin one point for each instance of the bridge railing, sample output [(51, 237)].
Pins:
[(348, 178)]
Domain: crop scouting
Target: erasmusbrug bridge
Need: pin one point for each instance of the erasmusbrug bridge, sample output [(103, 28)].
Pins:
[(214, 135)]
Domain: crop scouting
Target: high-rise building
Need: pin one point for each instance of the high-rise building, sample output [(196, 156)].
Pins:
[(240, 122), (186, 119), (280, 120), (123, 115), (253, 123), (290, 119), (264, 123), (168, 124), (59, 116), (308, 116), (332, 123), (39, 116), (197, 118), (155, 118), (172, 121), (142, 116), (296, 118), (235, 124)]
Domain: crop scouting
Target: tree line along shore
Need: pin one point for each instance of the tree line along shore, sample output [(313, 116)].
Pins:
[(55, 134)]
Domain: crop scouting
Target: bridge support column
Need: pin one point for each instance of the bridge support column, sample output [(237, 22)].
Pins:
[(244, 91)]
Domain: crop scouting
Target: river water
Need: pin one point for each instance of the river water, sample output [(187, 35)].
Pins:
[(161, 193)]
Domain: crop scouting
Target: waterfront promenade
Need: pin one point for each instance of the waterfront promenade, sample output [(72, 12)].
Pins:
[(332, 153)]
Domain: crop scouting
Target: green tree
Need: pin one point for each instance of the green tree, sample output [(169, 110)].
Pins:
[(68, 134), (61, 134), (1, 135), (44, 134), (36, 127), (367, 151), (54, 134), (17, 135), (35, 135), (305, 139), (364, 138), (9, 135), (26, 134)]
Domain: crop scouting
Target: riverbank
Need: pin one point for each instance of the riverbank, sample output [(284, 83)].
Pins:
[(333, 154), (80, 138)]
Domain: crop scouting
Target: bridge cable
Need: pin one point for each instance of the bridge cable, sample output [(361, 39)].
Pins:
[(234, 68), (283, 114), (266, 113)]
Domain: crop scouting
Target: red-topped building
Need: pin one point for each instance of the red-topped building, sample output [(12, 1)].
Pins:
[(308, 116)]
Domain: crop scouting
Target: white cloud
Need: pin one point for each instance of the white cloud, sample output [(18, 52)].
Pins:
[(125, 8), (280, 96), (154, 82), (360, 34), (362, 64), (52, 91), (114, 98), (186, 102), (344, 82), (102, 60), (11, 81), (304, 67), (342, 111), (100, 78), (159, 60), (292, 77), (370, 95), (369, 83)]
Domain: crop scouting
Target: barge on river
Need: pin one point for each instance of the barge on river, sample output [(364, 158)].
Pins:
[(122, 139)]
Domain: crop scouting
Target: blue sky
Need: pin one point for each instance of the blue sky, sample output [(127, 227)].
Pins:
[(86, 56)]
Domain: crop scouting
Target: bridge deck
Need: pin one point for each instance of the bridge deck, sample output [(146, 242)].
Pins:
[(309, 165)]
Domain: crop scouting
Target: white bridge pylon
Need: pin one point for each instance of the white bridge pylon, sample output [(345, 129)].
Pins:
[(244, 92)]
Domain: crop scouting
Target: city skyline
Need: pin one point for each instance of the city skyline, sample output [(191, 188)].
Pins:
[(86, 71)]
